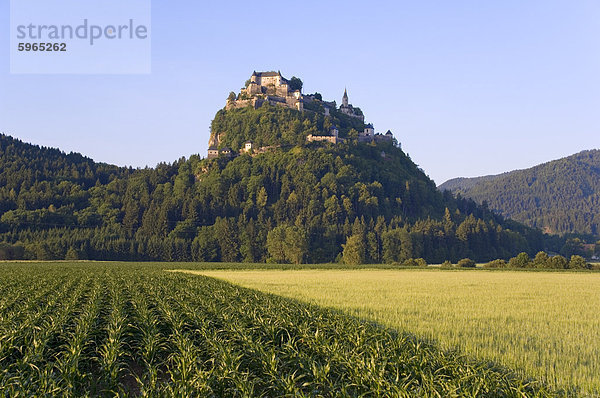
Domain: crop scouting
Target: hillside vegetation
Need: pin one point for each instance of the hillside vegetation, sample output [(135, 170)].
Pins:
[(560, 197), (297, 202), (277, 126)]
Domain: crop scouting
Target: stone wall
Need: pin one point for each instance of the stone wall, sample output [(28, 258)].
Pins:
[(322, 138)]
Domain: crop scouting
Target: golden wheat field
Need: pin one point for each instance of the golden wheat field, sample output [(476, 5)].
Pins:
[(542, 323)]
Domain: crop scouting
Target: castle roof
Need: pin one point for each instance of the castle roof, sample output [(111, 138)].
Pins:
[(388, 133), (345, 94), (268, 74), (370, 126), (212, 148)]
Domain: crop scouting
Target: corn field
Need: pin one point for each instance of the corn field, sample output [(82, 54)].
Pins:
[(135, 330)]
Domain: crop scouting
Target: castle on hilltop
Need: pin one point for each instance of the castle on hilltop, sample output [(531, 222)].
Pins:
[(268, 87), (273, 88)]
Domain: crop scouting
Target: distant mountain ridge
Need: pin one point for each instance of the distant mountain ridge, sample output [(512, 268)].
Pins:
[(560, 196), (463, 183)]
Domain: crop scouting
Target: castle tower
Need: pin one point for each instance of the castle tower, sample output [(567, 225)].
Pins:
[(334, 131), (345, 99)]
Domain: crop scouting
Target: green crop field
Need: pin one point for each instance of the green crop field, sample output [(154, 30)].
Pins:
[(110, 329), (546, 324)]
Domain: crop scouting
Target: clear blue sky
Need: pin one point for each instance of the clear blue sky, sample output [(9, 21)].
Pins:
[(468, 87)]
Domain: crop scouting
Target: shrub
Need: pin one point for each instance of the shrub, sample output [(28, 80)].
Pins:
[(466, 263), (421, 262), (559, 262), (354, 250), (578, 262), (447, 264), (542, 260), (496, 264), (522, 260), (411, 262)]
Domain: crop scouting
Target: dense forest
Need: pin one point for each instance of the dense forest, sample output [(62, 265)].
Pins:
[(300, 202), (559, 197)]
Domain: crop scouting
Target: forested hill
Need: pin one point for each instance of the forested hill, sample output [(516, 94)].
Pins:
[(298, 202), (562, 196), (34, 177)]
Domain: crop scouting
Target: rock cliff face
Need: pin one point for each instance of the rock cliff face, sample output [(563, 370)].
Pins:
[(215, 139)]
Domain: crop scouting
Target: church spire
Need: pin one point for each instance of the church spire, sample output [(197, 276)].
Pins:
[(345, 98)]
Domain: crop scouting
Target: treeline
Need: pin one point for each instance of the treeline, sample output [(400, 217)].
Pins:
[(249, 240), (541, 261), (560, 197)]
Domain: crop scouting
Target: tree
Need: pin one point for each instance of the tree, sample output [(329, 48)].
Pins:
[(466, 263), (296, 244), (573, 246), (227, 237), (287, 244), (231, 96), (410, 262), (276, 244), (421, 262), (559, 262), (577, 262), (496, 264), (205, 246), (251, 244), (354, 250), (295, 84), (72, 254), (391, 245), (11, 252), (261, 198), (522, 260), (541, 260)]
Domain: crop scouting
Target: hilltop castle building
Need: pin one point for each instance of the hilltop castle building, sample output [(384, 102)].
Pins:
[(269, 87), (273, 88)]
